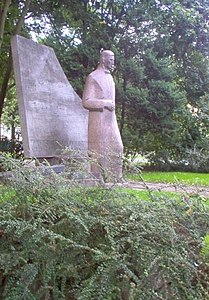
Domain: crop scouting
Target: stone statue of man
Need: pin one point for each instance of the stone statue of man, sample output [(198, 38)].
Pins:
[(104, 140)]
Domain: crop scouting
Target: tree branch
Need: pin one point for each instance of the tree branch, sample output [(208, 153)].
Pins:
[(9, 63), (3, 16), (22, 17)]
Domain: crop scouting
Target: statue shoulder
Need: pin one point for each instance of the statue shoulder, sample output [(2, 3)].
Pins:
[(97, 77), (95, 73), (93, 76)]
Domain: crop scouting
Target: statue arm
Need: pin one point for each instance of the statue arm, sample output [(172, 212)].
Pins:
[(91, 98)]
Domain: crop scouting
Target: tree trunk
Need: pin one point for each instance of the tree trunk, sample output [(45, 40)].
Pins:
[(9, 64), (5, 83), (123, 109), (3, 15), (22, 17)]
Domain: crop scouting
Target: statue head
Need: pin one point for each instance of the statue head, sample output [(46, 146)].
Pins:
[(107, 59)]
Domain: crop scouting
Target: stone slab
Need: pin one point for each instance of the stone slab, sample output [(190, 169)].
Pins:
[(51, 113)]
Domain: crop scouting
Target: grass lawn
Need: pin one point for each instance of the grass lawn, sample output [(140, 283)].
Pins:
[(146, 195), (172, 177), (157, 195), (147, 176)]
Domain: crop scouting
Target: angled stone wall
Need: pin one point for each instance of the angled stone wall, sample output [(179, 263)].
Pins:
[(51, 113)]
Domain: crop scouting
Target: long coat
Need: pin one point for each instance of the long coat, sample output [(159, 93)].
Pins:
[(104, 140)]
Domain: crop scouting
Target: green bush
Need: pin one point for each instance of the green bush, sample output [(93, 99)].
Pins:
[(205, 248), (14, 147), (63, 241), (192, 160)]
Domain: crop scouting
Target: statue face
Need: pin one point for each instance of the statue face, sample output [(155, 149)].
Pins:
[(109, 61)]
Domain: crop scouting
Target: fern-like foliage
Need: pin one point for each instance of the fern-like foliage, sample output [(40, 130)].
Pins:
[(63, 241)]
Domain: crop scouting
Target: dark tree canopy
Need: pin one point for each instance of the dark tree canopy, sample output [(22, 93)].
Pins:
[(162, 74)]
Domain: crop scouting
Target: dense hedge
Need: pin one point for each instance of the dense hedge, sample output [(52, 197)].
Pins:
[(61, 241)]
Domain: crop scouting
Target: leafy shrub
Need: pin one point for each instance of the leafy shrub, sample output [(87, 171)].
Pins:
[(205, 247), (14, 147), (63, 241), (192, 160)]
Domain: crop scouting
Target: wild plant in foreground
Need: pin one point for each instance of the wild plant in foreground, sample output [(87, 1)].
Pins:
[(61, 241)]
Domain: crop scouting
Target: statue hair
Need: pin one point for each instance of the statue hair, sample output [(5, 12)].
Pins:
[(105, 53)]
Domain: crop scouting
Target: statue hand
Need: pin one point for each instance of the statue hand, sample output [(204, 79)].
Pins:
[(110, 106)]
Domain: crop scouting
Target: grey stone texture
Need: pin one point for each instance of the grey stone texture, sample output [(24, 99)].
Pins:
[(51, 113), (104, 140)]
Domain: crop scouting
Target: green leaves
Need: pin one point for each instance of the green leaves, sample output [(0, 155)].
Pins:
[(62, 241), (161, 74)]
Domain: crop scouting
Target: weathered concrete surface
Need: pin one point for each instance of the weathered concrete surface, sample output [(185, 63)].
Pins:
[(51, 113)]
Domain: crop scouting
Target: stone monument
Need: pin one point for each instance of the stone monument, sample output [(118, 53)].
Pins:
[(51, 113), (104, 140)]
